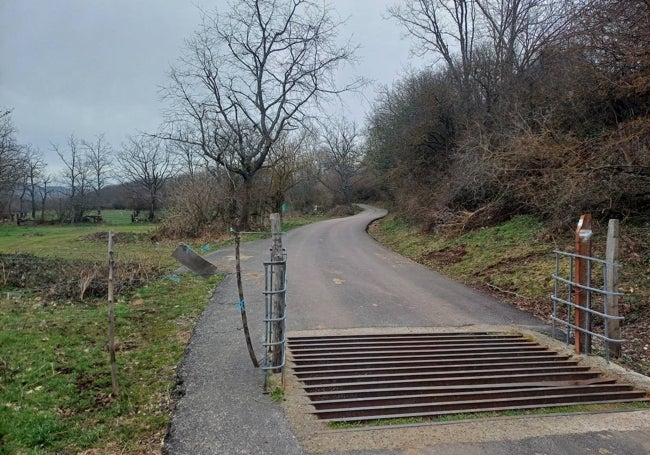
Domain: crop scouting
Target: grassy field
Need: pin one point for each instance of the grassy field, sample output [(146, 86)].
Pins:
[(55, 390)]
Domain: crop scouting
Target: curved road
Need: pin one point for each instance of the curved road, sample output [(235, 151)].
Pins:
[(339, 277)]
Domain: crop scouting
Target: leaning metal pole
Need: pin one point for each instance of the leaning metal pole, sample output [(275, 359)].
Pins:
[(242, 305)]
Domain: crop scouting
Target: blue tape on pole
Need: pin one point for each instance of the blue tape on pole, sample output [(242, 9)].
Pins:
[(241, 306)]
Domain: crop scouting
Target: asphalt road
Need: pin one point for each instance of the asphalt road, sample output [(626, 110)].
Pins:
[(340, 278)]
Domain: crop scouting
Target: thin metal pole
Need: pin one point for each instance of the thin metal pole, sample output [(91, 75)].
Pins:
[(571, 294), (583, 248), (242, 305), (613, 328)]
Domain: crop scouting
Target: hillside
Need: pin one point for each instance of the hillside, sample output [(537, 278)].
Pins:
[(514, 261)]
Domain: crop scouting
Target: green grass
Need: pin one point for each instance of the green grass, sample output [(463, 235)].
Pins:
[(515, 262), (55, 386), (377, 423), (55, 377), (55, 389), (295, 221), (509, 256)]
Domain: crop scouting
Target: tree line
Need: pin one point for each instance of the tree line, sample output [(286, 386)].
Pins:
[(240, 131), (92, 177), (316, 170), (528, 106), (533, 106)]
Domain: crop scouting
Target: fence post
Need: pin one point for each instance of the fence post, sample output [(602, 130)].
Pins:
[(611, 286), (583, 248), (111, 317), (277, 279)]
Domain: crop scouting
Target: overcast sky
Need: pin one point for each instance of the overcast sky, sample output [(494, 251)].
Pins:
[(87, 67)]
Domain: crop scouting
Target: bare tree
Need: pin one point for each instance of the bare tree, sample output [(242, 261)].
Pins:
[(43, 191), (76, 176), (447, 28), (518, 30), (484, 43), (11, 162), (98, 159), (146, 162), (250, 75), (34, 167), (190, 159), (290, 165), (339, 159)]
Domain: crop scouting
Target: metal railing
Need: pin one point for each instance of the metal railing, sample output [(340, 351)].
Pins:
[(565, 288), (275, 295)]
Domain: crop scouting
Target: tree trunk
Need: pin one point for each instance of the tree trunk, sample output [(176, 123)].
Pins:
[(245, 204), (152, 208)]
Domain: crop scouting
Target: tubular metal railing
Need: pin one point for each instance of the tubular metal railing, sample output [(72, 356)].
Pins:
[(564, 290), (275, 298)]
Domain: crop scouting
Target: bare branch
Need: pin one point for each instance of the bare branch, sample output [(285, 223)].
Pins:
[(250, 76)]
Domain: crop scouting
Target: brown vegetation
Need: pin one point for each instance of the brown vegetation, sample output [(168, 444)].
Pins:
[(555, 129), (54, 279)]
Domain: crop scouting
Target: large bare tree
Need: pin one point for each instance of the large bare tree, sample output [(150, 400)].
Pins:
[(485, 43), (147, 163), (250, 75), (445, 28)]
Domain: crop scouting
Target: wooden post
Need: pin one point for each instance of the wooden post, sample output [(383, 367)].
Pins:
[(277, 284), (583, 248), (611, 285), (111, 317)]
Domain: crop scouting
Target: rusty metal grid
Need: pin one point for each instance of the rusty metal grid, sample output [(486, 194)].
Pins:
[(375, 377)]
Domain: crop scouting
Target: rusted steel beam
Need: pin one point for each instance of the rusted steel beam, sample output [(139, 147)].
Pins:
[(411, 346), (399, 352), (422, 368), (448, 363), (494, 407), (442, 374), (539, 378), (381, 400), (318, 395), (316, 360)]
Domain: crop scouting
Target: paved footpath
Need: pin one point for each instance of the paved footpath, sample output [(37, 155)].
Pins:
[(223, 409)]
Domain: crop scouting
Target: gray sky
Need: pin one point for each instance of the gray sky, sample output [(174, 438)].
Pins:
[(95, 66)]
